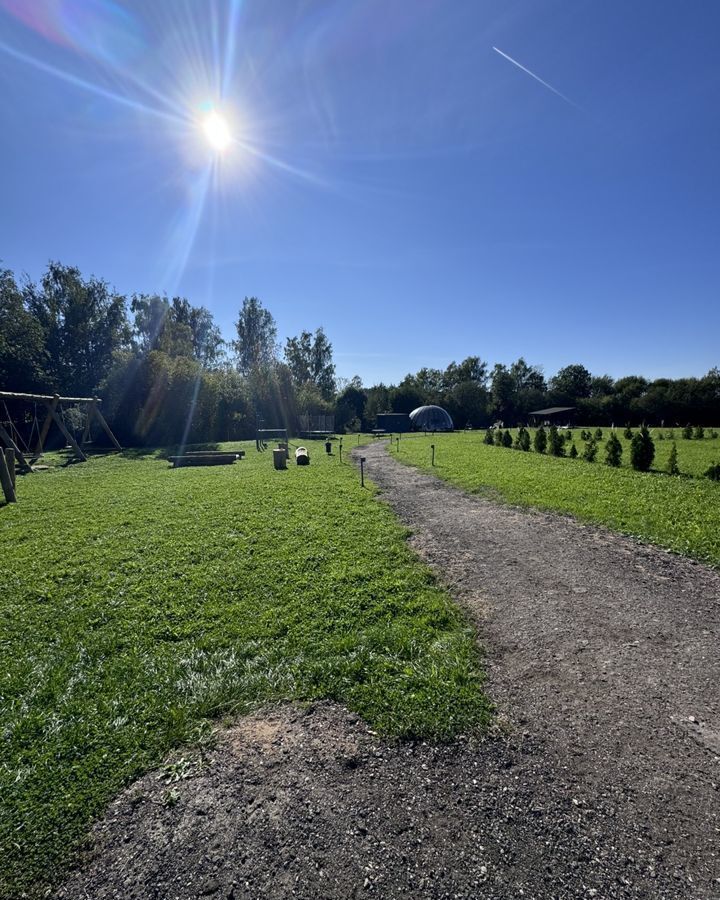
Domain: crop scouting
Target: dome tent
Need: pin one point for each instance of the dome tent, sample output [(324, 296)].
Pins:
[(431, 418)]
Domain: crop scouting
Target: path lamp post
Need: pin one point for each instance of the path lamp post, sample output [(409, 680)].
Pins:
[(362, 471), (340, 448), (432, 447)]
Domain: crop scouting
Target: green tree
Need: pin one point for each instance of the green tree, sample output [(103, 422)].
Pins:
[(22, 345), (540, 440), (205, 338), (613, 450), (672, 464), (642, 450), (256, 344), (156, 326), (502, 393), (522, 441), (350, 406), (406, 397), (83, 322), (556, 442), (472, 369), (467, 403), (378, 401), (571, 384), (590, 451), (601, 386), (309, 358)]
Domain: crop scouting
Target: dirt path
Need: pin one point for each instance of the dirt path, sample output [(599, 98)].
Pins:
[(603, 783), (604, 650)]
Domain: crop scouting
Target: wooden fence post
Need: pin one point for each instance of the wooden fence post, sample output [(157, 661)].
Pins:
[(10, 460), (6, 481)]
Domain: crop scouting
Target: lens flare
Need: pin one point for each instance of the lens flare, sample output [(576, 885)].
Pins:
[(217, 132)]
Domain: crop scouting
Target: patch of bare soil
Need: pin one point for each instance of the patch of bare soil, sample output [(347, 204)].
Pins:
[(604, 781)]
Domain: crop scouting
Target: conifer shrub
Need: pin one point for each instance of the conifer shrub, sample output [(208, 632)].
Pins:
[(671, 434), (598, 434), (713, 434), (568, 435), (628, 432), (573, 451), (699, 433), (590, 451), (585, 435), (672, 463), (687, 432), (555, 443), (642, 450), (660, 435), (489, 439), (713, 473), (506, 439), (522, 441), (540, 440), (613, 451)]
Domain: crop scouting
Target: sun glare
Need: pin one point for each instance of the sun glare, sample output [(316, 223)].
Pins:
[(217, 132)]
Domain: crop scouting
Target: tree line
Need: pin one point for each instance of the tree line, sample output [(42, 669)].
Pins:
[(167, 375)]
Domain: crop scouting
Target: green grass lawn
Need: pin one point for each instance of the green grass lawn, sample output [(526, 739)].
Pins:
[(694, 457), (140, 602), (680, 513)]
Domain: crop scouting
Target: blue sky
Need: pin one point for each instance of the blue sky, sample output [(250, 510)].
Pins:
[(392, 177)]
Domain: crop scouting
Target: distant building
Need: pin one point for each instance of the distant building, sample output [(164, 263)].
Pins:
[(555, 415)]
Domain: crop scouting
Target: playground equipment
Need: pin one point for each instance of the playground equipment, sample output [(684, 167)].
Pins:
[(262, 433), (53, 404)]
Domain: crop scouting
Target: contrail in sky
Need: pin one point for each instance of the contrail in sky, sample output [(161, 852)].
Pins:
[(533, 75)]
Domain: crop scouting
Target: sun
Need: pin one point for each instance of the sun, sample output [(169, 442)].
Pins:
[(217, 132)]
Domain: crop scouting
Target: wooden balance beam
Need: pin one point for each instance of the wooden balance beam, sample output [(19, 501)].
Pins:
[(204, 459), (236, 454)]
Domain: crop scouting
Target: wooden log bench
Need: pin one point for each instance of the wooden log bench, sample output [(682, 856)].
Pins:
[(204, 459), (236, 454)]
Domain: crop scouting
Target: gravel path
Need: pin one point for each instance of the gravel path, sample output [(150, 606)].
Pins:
[(602, 781)]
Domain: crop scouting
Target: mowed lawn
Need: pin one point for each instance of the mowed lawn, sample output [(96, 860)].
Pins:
[(678, 513), (140, 603)]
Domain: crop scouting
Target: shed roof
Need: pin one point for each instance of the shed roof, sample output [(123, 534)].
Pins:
[(553, 410)]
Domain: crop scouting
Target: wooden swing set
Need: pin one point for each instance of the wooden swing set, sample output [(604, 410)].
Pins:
[(10, 436)]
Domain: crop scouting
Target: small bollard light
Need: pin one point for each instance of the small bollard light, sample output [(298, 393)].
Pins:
[(328, 447), (398, 444), (362, 471), (340, 449), (432, 447)]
